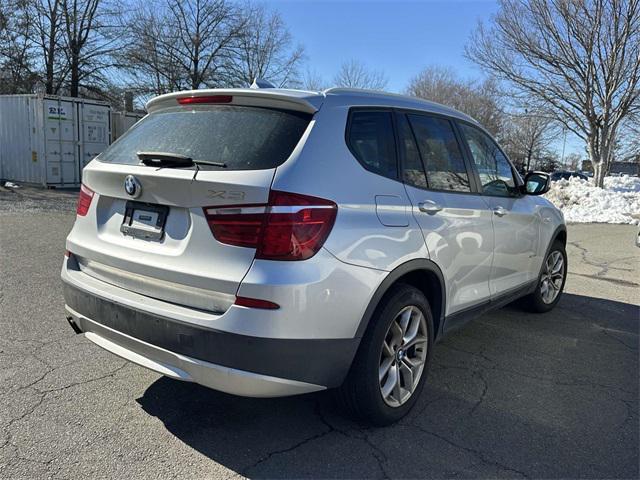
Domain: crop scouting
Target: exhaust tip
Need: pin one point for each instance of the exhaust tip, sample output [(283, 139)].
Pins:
[(73, 324)]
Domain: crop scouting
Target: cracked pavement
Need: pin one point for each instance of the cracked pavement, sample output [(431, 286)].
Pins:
[(512, 395)]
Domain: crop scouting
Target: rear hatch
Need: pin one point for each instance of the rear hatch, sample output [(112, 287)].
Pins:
[(145, 228)]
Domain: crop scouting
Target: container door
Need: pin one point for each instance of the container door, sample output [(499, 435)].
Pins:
[(94, 131), (61, 150)]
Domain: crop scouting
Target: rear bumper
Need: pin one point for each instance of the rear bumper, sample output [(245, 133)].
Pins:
[(182, 367), (225, 361)]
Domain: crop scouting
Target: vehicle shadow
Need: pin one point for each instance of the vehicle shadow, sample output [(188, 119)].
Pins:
[(504, 398)]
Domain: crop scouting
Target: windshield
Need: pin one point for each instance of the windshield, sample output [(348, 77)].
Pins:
[(242, 138)]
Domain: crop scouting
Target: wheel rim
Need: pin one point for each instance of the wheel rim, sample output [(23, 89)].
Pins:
[(552, 277), (404, 352)]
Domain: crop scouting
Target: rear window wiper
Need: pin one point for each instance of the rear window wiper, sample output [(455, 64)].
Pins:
[(164, 159), (173, 160), (213, 164)]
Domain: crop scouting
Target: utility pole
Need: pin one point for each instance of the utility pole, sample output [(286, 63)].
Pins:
[(564, 144)]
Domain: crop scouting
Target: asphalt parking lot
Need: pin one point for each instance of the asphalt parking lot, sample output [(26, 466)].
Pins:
[(512, 395)]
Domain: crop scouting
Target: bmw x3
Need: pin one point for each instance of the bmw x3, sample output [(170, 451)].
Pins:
[(271, 242)]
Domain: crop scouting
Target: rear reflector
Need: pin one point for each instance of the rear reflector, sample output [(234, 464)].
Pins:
[(256, 303), (290, 227), (205, 99), (84, 200)]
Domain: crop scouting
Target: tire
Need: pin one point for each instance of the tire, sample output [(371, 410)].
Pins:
[(537, 301), (362, 392)]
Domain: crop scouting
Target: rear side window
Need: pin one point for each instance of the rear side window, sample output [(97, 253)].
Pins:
[(370, 139), (440, 153), (243, 138)]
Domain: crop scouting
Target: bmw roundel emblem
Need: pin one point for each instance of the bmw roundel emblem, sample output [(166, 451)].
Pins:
[(132, 186)]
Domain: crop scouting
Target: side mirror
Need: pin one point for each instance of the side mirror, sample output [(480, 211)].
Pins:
[(536, 183)]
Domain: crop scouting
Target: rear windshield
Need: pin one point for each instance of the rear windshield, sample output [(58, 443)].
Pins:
[(243, 138)]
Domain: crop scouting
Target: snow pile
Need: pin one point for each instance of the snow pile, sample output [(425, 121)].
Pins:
[(582, 202), (622, 184)]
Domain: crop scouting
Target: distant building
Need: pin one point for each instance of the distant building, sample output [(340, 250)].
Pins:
[(625, 168), (617, 168)]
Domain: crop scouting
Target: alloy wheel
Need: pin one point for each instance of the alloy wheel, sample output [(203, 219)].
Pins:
[(403, 356), (552, 277)]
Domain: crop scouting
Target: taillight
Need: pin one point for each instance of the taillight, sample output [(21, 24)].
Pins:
[(240, 226), (290, 227), (296, 227), (84, 200)]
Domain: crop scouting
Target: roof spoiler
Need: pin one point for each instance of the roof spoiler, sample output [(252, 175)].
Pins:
[(257, 97)]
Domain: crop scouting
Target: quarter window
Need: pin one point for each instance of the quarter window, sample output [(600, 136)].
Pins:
[(371, 141), (440, 153), (496, 174)]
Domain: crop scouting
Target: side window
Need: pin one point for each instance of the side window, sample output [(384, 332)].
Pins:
[(371, 140), (440, 153), (496, 175), (412, 169)]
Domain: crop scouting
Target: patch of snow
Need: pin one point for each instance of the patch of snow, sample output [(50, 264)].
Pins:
[(11, 185), (582, 202), (624, 183)]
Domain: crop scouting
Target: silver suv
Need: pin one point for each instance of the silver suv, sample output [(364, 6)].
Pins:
[(268, 242)]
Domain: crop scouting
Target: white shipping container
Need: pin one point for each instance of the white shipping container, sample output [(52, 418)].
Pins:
[(48, 140)]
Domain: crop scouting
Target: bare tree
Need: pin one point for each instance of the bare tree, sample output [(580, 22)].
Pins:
[(49, 30), (204, 36), (148, 58), (578, 59), (17, 63), (529, 136), (182, 44), (313, 80), (627, 146), (480, 100), (264, 49), (90, 39), (573, 161), (355, 74)]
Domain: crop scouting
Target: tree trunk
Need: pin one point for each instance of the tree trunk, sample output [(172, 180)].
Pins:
[(75, 78), (598, 161), (49, 78), (599, 171), (50, 54)]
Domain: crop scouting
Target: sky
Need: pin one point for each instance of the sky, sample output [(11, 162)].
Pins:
[(399, 38)]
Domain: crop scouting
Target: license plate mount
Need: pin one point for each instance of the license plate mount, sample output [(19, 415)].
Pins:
[(144, 220)]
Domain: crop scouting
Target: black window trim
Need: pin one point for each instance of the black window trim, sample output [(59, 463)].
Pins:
[(474, 177), (474, 183), (394, 133), (514, 172)]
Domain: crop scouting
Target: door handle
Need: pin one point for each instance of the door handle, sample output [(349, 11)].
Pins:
[(429, 206), (499, 211)]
